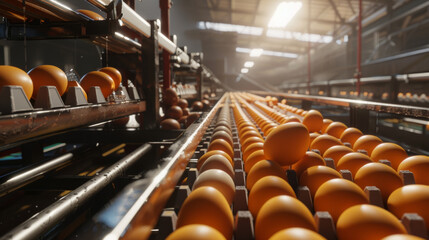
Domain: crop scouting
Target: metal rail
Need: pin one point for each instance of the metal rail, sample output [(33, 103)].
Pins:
[(18, 128), (404, 110), (23, 177), (42, 222), (141, 203)]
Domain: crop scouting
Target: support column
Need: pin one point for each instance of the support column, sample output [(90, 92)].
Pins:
[(359, 50), (165, 6)]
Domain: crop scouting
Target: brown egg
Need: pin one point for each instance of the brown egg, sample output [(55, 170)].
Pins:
[(170, 97), (192, 118), (251, 149), (206, 104), (389, 151), (217, 162), (249, 141), (220, 144), (324, 142), (350, 135), (352, 162), (367, 143), (183, 103), (197, 106), (335, 129), (419, 166), (310, 159), (336, 152), (208, 154), (313, 120), (315, 176), (186, 111), (218, 179), (253, 159), (261, 169), (169, 124), (325, 124), (195, 232), (174, 112), (222, 135)]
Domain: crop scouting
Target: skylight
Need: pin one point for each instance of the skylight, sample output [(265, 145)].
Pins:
[(304, 37), (225, 27), (284, 13), (268, 53)]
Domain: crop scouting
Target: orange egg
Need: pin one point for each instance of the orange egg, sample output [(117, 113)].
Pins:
[(195, 232), (412, 198), (261, 169), (217, 162), (249, 141), (336, 152), (380, 175), (207, 206), (336, 195), (249, 134), (101, 79), (315, 176), (313, 136), (310, 159), (292, 119), (325, 124), (287, 143), (389, 151), (169, 124), (350, 135), (372, 221), (324, 142), (296, 233), (220, 144), (267, 128), (218, 179), (93, 15), (137, 232), (14, 76), (223, 123), (208, 154), (253, 159), (419, 166), (245, 129), (352, 162), (335, 129), (282, 212), (114, 74), (48, 75), (367, 143), (313, 120), (223, 128), (266, 188), (251, 149), (402, 237), (221, 134)]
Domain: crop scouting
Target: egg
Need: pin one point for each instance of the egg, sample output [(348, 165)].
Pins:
[(419, 166), (220, 144), (76, 84), (208, 154), (389, 151), (253, 159), (412, 198), (245, 129), (218, 179), (287, 143), (48, 75), (197, 106), (192, 117), (369, 221), (251, 149), (183, 103), (186, 111), (402, 237), (223, 128), (325, 124), (310, 159), (261, 169), (217, 162), (335, 129), (266, 188), (206, 104), (10, 75), (174, 112), (296, 233), (315, 176), (350, 135), (282, 212), (114, 74), (268, 128), (324, 142), (292, 119), (93, 15), (249, 141), (137, 233), (336, 195), (207, 206), (352, 162), (367, 143), (336, 152), (221, 134), (100, 79), (313, 120), (223, 123), (170, 97), (380, 175), (169, 124), (195, 232), (313, 136)]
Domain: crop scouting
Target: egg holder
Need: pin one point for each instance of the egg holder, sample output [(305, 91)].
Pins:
[(14, 100)]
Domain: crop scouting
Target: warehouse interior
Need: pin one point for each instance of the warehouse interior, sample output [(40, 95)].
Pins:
[(214, 119)]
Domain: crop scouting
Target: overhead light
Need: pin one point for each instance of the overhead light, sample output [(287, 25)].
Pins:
[(268, 53), (244, 70), (225, 27), (256, 52), (249, 64), (303, 37), (284, 13)]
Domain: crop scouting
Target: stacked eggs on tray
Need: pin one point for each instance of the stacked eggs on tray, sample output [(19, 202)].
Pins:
[(299, 167)]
